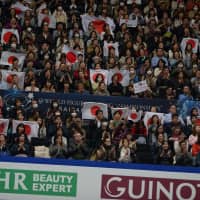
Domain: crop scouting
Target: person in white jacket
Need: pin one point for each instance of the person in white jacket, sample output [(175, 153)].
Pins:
[(125, 152)]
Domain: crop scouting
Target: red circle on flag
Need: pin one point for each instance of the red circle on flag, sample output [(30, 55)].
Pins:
[(18, 11), (27, 129), (191, 42), (94, 109), (2, 126), (46, 19), (119, 76), (6, 36), (96, 75), (10, 59), (98, 22), (9, 78), (149, 121), (134, 116), (71, 57)]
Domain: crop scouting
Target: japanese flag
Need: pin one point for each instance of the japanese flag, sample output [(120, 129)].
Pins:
[(89, 110), (31, 127), (148, 115), (7, 58), (99, 72), (123, 76), (20, 8), (71, 54), (7, 78), (134, 116), (86, 20), (4, 126), (108, 46), (98, 25), (140, 86), (50, 19), (122, 111), (7, 33), (193, 41), (110, 22)]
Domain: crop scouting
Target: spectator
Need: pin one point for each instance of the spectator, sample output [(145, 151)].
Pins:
[(196, 151), (42, 132), (59, 132), (184, 157), (96, 123), (106, 151), (3, 146), (195, 133), (115, 88), (125, 152), (78, 148), (58, 149), (21, 148), (155, 123), (102, 89), (48, 87), (165, 156), (60, 15)]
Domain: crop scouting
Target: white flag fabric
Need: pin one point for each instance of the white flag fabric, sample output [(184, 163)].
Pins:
[(107, 46), (85, 20), (122, 111), (108, 21), (99, 72), (8, 76), (193, 41), (89, 110), (134, 115), (123, 76), (140, 86), (50, 19), (31, 127), (41, 8), (97, 22), (71, 54), (7, 58), (148, 116), (20, 8), (4, 126), (132, 23), (7, 33)]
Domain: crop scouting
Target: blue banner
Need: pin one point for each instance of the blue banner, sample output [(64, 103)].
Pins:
[(185, 108), (75, 101)]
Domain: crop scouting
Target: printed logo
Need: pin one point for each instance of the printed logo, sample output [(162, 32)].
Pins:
[(38, 182), (133, 187)]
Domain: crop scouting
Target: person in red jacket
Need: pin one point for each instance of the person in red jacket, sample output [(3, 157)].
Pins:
[(196, 147)]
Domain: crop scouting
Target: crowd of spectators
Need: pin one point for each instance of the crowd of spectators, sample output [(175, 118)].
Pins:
[(149, 51)]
